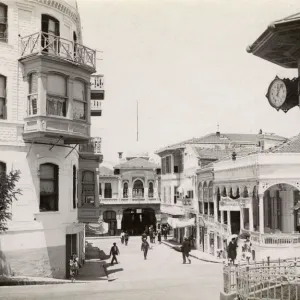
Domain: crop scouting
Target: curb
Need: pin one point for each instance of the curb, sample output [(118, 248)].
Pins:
[(15, 281), (192, 255)]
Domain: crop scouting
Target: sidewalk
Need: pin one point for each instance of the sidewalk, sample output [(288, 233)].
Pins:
[(194, 253)]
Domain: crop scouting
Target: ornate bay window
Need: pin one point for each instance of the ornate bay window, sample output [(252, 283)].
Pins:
[(150, 190), (79, 100), (33, 94), (56, 95), (125, 190)]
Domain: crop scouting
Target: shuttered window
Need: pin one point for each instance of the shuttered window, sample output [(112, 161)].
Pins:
[(33, 96), (3, 23)]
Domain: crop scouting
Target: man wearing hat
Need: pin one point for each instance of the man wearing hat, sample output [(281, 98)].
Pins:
[(114, 251)]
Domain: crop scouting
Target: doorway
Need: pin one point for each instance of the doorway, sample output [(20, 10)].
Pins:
[(136, 220), (110, 217), (235, 218), (71, 248)]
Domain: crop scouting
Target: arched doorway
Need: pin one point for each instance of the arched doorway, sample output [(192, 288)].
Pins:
[(109, 217), (135, 220)]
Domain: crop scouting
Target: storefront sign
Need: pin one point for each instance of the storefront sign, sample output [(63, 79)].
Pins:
[(229, 204)]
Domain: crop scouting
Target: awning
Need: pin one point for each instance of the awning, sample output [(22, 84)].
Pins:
[(172, 210), (97, 228), (181, 223)]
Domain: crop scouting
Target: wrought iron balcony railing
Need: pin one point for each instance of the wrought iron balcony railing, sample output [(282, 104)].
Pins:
[(53, 45), (93, 146)]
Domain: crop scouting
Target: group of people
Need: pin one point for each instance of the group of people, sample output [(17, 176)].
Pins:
[(74, 266), (124, 237)]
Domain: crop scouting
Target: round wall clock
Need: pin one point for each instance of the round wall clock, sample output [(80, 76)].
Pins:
[(277, 93)]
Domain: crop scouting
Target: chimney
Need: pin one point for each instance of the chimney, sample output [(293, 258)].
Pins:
[(120, 155), (218, 133)]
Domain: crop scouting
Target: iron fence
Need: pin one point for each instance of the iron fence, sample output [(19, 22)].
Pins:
[(268, 279)]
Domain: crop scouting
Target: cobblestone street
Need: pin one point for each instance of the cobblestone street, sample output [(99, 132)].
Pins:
[(161, 276)]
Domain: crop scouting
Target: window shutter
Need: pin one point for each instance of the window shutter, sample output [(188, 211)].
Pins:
[(5, 111)]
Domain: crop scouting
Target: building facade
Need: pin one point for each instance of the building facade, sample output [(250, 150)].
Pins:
[(44, 115), (128, 196), (187, 173)]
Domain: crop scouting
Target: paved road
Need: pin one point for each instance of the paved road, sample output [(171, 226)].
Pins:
[(161, 276)]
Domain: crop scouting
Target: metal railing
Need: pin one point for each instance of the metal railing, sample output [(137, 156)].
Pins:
[(276, 238), (93, 146), (53, 45), (264, 280)]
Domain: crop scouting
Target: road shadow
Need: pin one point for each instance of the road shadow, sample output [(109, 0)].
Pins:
[(103, 255), (114, 271)]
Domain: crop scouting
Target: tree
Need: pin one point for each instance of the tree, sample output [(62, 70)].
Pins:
[(8, 193)]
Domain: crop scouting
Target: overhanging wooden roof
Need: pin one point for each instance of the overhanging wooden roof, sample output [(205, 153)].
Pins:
[(280, 42)]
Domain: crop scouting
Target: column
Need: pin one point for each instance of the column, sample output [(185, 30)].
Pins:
[(208, 208), (42, 93), (229, 220), (215, 207), (261, 213), (197, 232), (242, 218), (215, 244), (97, 199), (222, 216), (208, 241), (251, 227), (70, 82)]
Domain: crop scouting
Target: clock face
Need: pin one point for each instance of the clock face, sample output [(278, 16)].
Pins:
[(277, 93)]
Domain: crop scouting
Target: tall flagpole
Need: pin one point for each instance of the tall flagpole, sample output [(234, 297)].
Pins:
[(137, 121)]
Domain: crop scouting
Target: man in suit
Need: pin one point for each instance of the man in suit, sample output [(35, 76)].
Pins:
[(114, 251), (186, 248)]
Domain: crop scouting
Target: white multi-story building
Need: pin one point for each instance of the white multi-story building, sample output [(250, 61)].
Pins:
[(44, 113)]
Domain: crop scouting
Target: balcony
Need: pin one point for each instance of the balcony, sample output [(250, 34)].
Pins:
[(39, 127), (91, 150), (42, 43), (96, 108), (97, 82), (129, 200)]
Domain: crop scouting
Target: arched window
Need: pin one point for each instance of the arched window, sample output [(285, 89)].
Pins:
[(57, 95), (33, 96), (74, 186), (3, 23), (150, 190), (3, 109), (138, 189), (107, 190), (49, 187), (88, 187), (245, 192), (79, 100), (125, 190)]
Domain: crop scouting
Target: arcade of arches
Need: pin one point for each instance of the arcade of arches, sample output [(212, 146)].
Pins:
[(134, 220)]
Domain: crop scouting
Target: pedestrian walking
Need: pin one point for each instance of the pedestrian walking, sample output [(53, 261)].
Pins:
[(159, 236), (151, 236), (165, 234), (232, 250), (126, 238), (144, 236), (145, 247), (114, 252), (185, 249), (154, 236), (122, 236)]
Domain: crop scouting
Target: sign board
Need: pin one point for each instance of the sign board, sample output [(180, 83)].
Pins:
[(233, 205)]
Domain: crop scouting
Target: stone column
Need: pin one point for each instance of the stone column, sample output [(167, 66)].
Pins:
[(261, 213), (42, 93), (70, 82), (215, 243), (222, 216), (215, 207), (197, 232), (228, 220), (251, 227), (242, 218), (208, 208)]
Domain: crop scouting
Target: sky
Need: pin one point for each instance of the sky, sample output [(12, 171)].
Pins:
[(186, 64)]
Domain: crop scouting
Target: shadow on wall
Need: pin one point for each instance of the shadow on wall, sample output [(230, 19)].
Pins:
[(5, 268)]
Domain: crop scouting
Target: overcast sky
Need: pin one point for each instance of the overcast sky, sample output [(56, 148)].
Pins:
[(186, 63)]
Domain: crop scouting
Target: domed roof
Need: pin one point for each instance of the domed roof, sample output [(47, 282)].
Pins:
[(137, 152), (72, 3)]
